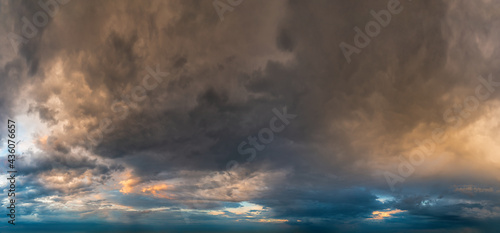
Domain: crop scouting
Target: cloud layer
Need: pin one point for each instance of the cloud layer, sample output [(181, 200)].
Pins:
[(133, 112)]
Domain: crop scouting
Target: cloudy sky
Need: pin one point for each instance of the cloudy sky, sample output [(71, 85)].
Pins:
[(252, 115)]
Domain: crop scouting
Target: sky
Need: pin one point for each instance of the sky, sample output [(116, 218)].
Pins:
[(251, 115)]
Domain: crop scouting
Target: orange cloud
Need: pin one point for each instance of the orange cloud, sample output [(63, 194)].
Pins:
[(156, 190), (216, 212), (43, 140), (379, 215), (128, 185), (273, 220)]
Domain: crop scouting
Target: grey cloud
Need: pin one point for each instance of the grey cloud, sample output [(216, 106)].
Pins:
[(353, 119)]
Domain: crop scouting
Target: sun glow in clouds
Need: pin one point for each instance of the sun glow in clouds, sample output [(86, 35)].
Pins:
[(246, 208), (384, 198), (379, 215), (250, 213), (128, 185), (156, 190)]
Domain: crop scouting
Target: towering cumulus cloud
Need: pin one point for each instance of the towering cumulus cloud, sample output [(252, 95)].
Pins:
[(254, 115)]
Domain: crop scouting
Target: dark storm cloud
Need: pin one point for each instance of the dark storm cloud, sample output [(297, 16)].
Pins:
[(319, 85), (46, 115), (309, 87), (323, 204), (26, 19)]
